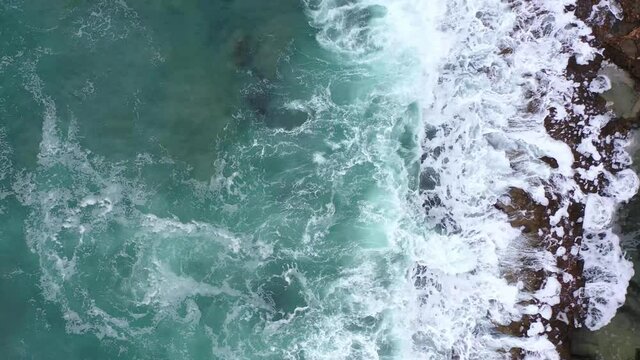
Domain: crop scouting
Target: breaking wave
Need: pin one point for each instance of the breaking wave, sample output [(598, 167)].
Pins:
[(368, 229)]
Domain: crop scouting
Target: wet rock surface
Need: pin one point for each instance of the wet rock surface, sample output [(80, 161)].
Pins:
[(619, 35), (620, 40)]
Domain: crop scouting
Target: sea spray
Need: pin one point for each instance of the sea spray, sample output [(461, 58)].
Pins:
[(500, 75), (345, 210)]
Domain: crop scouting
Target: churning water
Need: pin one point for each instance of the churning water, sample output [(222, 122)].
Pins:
[(280, 179)]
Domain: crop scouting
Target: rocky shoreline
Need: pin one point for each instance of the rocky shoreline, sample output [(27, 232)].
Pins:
[(618, 34), (616, 30)]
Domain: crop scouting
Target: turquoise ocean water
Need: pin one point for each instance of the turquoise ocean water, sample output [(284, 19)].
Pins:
[(186, 179), (284, 179)]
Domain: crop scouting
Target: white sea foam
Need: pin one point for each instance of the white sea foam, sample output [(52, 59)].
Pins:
[(474, 68)]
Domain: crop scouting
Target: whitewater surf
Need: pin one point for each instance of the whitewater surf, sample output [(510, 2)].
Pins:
[(325, 179)]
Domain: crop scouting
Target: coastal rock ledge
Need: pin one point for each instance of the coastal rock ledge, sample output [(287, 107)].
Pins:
[(575, 236), (616, 30)]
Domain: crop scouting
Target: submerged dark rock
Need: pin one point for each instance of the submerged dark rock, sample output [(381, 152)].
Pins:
[(242, 52), (259, 101), (271, 112)]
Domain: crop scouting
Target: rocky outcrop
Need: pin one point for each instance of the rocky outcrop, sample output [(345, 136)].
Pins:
[(617, 31), (620, 40), (619, 35)]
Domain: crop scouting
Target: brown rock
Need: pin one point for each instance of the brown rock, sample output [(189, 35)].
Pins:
[(619, 38), (628, 47), (550, 161)]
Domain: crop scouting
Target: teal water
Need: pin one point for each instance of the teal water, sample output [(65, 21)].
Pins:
[(284, 179), (186, 179)]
